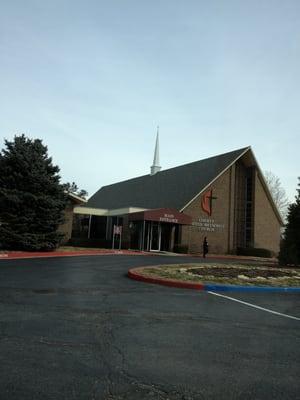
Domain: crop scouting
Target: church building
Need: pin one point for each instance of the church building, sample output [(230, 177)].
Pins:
[(224, 198)]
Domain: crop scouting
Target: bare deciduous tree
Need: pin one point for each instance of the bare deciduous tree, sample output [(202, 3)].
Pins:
[(278, 193), (73, 188)]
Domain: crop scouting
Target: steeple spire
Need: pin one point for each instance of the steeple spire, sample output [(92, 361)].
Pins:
[(156, 167)]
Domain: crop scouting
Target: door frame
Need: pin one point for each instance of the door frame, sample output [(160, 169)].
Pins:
[(151, 236)]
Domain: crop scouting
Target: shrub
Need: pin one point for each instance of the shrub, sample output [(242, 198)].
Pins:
[(254, 252), (84, 242), (181, 248)]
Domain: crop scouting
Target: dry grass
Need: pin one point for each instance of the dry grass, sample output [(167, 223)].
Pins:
[(236, 274), (72, 248)]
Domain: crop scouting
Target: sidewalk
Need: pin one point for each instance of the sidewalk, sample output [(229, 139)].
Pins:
[(14, 255), (221, 257)]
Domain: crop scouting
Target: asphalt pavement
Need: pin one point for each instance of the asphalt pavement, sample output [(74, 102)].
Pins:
[(78, 328)]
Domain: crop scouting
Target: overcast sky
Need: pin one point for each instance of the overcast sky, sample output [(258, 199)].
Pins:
[(93, 79)]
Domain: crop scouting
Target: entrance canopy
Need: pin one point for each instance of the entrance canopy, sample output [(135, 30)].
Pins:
[(168, 215)]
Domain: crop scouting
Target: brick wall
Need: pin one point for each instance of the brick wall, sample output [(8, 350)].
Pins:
[(218, 237), (66, 227), (266, 224), (229, 212)]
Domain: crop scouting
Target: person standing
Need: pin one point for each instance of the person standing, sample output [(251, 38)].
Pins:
[(205, 247)]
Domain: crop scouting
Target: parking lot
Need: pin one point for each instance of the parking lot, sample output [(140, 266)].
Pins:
[(78, 328)]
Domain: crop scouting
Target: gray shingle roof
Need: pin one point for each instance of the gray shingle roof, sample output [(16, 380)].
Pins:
[(172, 188)]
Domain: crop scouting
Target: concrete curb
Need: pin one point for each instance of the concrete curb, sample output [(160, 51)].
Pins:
[(133, 273)]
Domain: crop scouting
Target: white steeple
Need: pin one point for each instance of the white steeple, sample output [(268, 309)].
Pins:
[(156, 167)]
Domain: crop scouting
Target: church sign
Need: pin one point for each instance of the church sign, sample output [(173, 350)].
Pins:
[(168, 218), (208, 225), (168, 215)]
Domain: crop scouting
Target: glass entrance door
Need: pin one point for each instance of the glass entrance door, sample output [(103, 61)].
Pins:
[(155, 238)]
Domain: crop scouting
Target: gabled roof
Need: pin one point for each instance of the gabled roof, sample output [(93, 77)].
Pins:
[(171, 188)]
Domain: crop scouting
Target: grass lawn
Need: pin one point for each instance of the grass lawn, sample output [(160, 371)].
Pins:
[(72, 248)]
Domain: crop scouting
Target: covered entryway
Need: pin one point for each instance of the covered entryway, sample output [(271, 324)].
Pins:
[(156, 230)]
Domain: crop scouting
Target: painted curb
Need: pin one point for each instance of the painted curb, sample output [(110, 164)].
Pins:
[(134, 274), (26, 255), (238, 288), (30, 255)]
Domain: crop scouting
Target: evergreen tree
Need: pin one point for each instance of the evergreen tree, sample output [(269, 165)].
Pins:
[(32, 200), (290, 245)]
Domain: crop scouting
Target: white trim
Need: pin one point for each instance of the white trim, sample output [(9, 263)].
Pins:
[(75, 197), (125, 210), (217, 177), (89, 211), (106, 212)]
